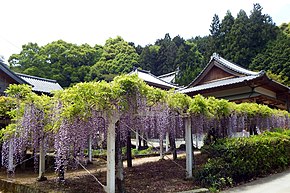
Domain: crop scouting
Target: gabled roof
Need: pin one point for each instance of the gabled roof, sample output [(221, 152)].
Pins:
[(153, 80), (169, 77), (221, 83), (11, 74), (42, 85), (38, 84), (226, 66)]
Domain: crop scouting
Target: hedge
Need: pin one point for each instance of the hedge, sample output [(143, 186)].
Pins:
[(236, 160)]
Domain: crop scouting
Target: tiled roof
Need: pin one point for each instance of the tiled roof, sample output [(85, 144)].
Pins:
[(11, 74), (224, 64), (40, 84), (169, 77), (152, 79), (220, 83), (233, 66)]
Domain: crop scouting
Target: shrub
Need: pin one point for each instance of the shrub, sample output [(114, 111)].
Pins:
[(241, 159)]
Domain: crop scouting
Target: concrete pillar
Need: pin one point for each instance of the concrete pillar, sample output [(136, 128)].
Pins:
[(41, 162), (137, 139), (111, 141), (90, 151), (188, 144), (167, 142), (161, 148)]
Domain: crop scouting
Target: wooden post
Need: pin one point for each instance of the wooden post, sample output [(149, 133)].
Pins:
[(167, 142), (41, 176), (111, 141), (129, 150), (90, 150), (188, 144)]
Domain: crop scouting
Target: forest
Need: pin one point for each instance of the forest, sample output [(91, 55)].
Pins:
[(252, 41)]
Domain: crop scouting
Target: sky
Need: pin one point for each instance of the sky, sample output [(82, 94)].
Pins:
[(138, 21)]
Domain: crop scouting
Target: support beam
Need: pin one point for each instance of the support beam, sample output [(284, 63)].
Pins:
[(188, 144)]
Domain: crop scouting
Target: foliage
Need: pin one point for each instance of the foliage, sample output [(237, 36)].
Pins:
[(118, 57), (241, 159), (252, 41), (275, 58), (65, 62), (6, 104), (285, 28)]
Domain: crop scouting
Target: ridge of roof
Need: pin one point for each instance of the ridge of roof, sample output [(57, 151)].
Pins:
[(220, 83), (167, 84), (36, 77), (167, 74), (232, 66), (13, 75)]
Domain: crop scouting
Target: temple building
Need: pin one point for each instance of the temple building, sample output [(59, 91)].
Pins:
[(224, 79), (39, 85)]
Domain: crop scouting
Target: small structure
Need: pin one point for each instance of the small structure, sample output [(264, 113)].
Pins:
[(224, 79), (39, 85), (153, 80)]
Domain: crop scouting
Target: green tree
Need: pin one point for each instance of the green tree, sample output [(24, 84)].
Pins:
[(118, 57), (166, 55), (189, 62), (261, 30), (65, 62), (275, 58), (285, 28), (29, 59), (148, 58), (239, 40), (215, 44), (226, 27)]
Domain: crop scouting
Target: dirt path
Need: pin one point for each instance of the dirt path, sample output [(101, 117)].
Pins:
[(99, 165)]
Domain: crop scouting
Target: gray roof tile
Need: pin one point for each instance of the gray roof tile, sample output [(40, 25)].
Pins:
[(219, 83), (150, 78), (41, 84)]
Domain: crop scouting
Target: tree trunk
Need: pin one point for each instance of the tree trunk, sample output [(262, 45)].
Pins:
[(119, 175), (10, 160), (173, 146), (129, 150)]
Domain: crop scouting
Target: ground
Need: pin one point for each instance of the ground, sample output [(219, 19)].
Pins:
[(147, 175)]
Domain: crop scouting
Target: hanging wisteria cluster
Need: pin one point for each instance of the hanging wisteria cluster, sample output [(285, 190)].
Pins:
[(84, 111)]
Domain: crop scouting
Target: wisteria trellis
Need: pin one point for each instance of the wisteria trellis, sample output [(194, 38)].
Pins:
[(83, 110)]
